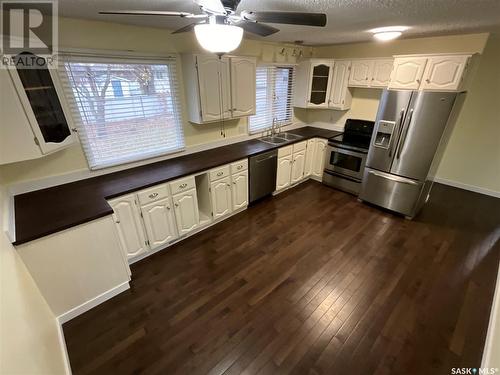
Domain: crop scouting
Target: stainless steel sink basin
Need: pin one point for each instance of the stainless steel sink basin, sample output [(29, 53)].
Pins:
[(289, 136), (273, 140)]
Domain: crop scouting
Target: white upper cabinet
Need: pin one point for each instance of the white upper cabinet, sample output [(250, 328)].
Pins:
[(407, 73), (444, 72), (381, 73), (219, 89), (313, 81), (243, 86), (35, 115), (186, 211), (128, 221), (221, 197), (212, 89), (340, 96), (159, 222), (361, 72), (240, 190)]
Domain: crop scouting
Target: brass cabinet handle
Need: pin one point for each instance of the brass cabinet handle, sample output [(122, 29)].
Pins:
[(182, 186), (154, 195), (220, 173), (168, 207), (176, 204), (240, 166)]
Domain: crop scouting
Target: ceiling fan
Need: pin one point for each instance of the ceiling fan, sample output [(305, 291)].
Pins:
[(219, 27)]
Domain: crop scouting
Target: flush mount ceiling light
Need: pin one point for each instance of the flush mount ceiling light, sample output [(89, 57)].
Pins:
[(218, 38), (388, 33)]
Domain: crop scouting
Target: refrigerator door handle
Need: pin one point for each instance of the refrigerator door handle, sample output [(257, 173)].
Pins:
[(396, 127), (393, 178), (405, 134)]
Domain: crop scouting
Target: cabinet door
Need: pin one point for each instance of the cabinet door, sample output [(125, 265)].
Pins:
[(308, 165), (215, 91), (159, 222), (240, 190), (444, 73), (340, 96), (319, 84), (42, 101), (225, 86), (221, 197), (381, 75), (128, 221), (243, 86), (186, 211), (319, 158), (284, 171), (407, 73), (361, 71), (298, 162)]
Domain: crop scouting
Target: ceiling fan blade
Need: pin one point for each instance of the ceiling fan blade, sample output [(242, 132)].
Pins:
[(152, 13), (292, 18), (256, 28), (212, 6), (186, 28)]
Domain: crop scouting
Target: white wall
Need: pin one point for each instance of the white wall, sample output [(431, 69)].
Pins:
[(29, 341)]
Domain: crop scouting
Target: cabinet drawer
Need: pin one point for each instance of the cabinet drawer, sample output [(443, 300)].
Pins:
[(285, 151), (220, 172), (299, 146), (239, 166), (152, 194), (182, 184)]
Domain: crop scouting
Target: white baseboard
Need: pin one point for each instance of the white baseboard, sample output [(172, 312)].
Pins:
[(86, 306), (475, 189), (64, 349), (493, 327)]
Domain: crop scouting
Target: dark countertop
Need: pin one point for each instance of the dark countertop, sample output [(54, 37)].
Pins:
[(43, 212)]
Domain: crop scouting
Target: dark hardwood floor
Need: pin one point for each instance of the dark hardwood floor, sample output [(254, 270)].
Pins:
[(308, 282)]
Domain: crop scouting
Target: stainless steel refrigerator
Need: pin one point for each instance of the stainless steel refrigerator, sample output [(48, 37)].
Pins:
[(410, 134)]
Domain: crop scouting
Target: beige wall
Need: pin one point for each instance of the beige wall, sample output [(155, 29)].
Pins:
[(29, 341), (110, 36), (472, 156)]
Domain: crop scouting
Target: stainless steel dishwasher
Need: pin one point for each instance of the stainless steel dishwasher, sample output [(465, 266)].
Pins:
[(263, 174)]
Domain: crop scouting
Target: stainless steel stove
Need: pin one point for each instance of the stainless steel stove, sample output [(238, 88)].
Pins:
[(346, 156)]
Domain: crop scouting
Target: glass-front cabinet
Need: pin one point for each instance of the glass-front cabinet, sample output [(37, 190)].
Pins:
[(37, 89), (319, 84)]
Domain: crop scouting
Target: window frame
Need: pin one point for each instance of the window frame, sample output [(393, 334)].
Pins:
[(119, 57), (289, 103)]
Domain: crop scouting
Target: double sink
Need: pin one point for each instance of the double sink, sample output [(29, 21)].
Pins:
[(280, 138)]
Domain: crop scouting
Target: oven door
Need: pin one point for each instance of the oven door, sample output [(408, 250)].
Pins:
[(347, 162)]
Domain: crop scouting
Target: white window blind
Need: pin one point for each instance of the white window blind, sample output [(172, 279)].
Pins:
[(125, 110), (274, 97)]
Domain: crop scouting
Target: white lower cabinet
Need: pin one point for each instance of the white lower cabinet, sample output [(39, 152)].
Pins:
[(308, 165), (187, 215), (129, 224), (283, 172), (298, 163), (240, 190), (221, 197), (159, 222), (319, 158)]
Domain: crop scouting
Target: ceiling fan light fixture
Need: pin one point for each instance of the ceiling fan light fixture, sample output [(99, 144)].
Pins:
[(385, 34), (218, 38)]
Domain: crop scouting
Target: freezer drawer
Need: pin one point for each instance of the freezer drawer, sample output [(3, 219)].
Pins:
[(392, 192)]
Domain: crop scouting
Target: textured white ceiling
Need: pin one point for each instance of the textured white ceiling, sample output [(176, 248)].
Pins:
[(348, 20)]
